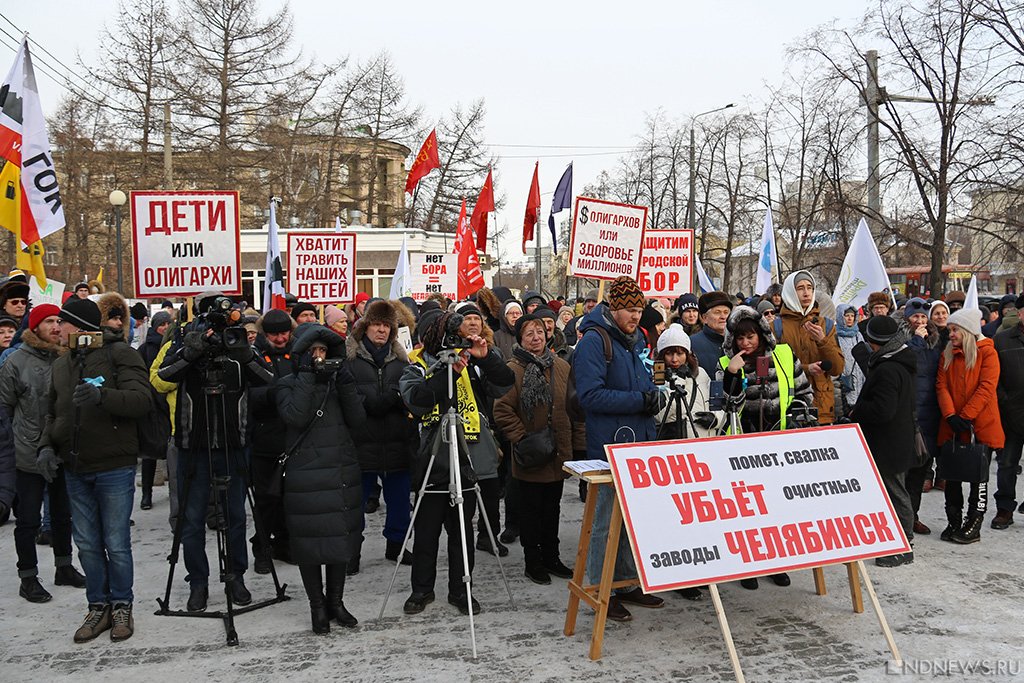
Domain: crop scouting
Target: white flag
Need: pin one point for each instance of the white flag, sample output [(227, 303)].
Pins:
[(972, 296), (337, 224), (401, 282), (273, 280), (769, 256), (863, 271), (703, 281)]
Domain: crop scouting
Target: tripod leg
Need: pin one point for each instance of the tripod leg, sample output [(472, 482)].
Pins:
[(455, 473), (257, 522), (408, 533), (172, 559), (490, 535)]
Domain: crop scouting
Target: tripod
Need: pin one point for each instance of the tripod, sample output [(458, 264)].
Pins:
[(219, 488), (451, 432), (677, 402)]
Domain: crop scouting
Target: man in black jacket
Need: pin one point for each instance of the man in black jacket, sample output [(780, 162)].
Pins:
[(1010, 393), (210, 432), (268, 437), (387, 440), (149, 350), (885, 413)]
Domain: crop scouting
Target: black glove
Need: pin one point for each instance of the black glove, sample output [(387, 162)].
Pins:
[(654, 402), (194, 346), (958, 423), (704, 420), (86, 394), (47, 462)]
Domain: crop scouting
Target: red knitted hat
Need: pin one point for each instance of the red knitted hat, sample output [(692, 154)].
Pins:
[(40, 313)]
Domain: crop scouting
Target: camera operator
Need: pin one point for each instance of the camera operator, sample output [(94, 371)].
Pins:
[(322, 490), (480, 376), (691, 384), (268, 436), (210, 432), (763, 380), (97, 392)]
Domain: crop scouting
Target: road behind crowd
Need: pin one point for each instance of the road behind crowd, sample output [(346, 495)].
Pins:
[(955, 606)]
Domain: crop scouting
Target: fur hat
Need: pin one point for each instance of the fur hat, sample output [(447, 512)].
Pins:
[(82, 313), (742, 312), (712, 299), (13, 289), (879, 299), (275, 321), (967, 319), (625, 293), (488, 302), (673, 336), (955, 297), (113, 305)]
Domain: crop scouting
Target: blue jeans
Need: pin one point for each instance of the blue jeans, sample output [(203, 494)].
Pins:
[(624, 565), (101, 515), (396, 488), (195, 464)]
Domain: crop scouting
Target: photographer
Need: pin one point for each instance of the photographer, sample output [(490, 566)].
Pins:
[(322, 491), (480, 376), (763, 380), (97, 392), (691, 384), (210, 433)]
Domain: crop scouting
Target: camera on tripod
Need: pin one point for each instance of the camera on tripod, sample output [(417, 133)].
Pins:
[(227, 335), (452, 340), (803, 415)]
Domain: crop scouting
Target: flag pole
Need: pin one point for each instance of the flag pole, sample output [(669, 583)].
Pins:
[(537, 242)]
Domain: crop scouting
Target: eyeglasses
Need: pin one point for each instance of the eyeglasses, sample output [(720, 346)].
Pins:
[(18, 302)]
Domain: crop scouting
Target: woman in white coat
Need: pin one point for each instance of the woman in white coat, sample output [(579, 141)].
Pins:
[(691, 416)]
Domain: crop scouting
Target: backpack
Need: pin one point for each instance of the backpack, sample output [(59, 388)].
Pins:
[(572, 400), (153, 429)]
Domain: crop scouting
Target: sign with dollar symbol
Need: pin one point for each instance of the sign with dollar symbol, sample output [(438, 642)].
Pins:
[(607, 239)]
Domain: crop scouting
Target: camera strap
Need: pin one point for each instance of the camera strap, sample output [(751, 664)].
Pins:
[(283, 458)]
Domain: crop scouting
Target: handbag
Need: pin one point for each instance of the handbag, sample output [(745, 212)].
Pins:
[(964, 462), (537, 448), (275, 486)]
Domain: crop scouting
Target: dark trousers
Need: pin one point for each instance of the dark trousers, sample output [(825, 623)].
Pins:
[(1006, 474), (29, 502), (436, 511), (396, 497), (538, 525), (977, 499), (916, 476), (270, 508), (509, 487), (148, 468), (490, 504), (194, 475)]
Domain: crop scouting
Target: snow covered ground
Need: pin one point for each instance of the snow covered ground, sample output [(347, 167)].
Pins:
[(956, 605)]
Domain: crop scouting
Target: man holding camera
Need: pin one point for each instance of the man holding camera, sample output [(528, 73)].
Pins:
[(480, 376), (97, 392), (213, 366)]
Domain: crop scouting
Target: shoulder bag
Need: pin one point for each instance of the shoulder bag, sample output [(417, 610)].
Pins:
[(275, 487)]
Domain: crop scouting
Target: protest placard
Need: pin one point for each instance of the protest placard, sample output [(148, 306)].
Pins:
[(433, 274), (726, 508), (53, 293), (185, 243), (322, 267), (666, 265), (607, 238)]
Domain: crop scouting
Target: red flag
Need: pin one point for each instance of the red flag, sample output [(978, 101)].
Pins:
[(484, 203), (532, 208), (471, 278), (426, 161)]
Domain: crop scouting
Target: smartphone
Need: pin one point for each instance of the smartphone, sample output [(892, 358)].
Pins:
[(716, 397), (764, 364), (658, 372), (816, 320)]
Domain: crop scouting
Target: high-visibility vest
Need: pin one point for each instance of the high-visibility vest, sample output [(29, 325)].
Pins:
[(785, 371)]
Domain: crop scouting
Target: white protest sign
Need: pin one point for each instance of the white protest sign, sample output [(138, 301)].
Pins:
[(726, 508), (666, 265), (607, 239), (434, 274), (322, 267), (185, 243), (52, 294), (405, 338)]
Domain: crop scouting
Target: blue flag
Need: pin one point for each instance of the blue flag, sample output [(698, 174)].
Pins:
[(561, 200)]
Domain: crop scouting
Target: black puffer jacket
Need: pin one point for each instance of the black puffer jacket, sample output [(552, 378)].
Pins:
[(926, 350), (268, 429), (1010, 347), (322, 489), (387, 439), (8, 471), (885, 408)]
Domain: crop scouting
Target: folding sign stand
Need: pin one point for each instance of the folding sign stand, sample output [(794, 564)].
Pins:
[(597, 596)]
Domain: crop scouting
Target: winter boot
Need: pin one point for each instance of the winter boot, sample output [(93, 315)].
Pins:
[(33, 591), (68, 576), (971, 531), (312, 581), (955, 519), (335, 592), (1003, 519), (123, 622)]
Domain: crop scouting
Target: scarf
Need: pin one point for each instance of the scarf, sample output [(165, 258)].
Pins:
[(378, 353), (467, 406), (536, 389)]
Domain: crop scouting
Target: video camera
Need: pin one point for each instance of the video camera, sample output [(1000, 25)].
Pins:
[(452, 340), (327, 365), (224, 320)]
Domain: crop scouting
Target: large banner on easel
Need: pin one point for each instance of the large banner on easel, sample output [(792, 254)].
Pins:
[(607, 239), (727, 508)]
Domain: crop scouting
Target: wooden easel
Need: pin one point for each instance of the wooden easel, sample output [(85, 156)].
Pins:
[(597, 596)]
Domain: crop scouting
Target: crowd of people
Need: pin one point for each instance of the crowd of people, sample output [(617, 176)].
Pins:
[(324, 412)]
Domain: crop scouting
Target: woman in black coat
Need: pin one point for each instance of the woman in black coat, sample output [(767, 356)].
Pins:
[(322, 487)]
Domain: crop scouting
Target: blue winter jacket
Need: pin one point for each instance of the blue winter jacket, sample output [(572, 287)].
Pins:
[(927, 403), (611, 394)]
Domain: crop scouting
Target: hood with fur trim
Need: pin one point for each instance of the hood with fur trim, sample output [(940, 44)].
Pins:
[(32, 340), (488, 303), (406, 318), (107, 303), (747, 313)]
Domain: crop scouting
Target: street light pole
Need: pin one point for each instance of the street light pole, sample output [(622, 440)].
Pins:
[(117, 199), (691, 203)]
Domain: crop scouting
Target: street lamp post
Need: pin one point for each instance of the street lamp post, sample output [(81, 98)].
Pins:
[(691, 212), (117, 200)]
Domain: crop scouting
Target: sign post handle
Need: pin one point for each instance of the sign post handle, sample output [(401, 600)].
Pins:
[(723, 623), (320, 309), (897, 658), (189, 314), (600, 291)]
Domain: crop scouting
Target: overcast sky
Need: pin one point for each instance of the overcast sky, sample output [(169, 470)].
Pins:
[(582, 75)]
